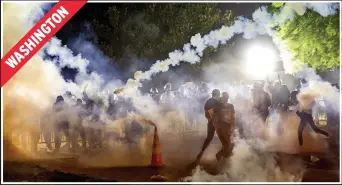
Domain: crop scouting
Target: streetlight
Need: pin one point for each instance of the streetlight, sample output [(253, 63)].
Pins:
[(260, 61)]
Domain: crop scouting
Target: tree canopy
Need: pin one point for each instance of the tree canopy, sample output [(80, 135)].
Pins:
[(314, 39), (153, 30)]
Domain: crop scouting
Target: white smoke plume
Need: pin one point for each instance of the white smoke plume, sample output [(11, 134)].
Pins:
[(261, 24), (262, 167), (33, 90), (52, 84), (257, 166), (317, 88), (33, 100)]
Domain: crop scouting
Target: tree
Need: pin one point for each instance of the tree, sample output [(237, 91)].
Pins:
[(314, 39), (153, 30)]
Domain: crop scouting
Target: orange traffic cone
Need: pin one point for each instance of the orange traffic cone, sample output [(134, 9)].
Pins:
[(157, 160)]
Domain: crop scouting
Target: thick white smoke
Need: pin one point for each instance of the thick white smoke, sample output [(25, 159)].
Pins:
[(261, 24), (260, 166), (33, 91), (257, 166)]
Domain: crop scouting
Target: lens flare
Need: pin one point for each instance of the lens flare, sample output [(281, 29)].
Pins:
[(260, 61)]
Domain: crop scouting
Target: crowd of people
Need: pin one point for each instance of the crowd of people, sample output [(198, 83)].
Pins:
[(91, 115), (222, 119)]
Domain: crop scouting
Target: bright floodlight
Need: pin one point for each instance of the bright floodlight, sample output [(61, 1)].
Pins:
[(260, 61)]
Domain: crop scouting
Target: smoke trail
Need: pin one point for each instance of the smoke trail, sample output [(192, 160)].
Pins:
[(33, 90), (145, 105), (261, 24), (238, 169)]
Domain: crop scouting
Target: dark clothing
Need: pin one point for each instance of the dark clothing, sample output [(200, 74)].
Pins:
[(89, 107), (275, 96), (111, 111), (262, 101), (284, 97), (307, 118), (211, 103), (224, 127), (293, 98), (210, 136)]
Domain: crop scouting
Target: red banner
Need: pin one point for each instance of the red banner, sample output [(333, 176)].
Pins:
[(37, 37)]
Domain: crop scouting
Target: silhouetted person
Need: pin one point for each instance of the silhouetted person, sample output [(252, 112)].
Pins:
[(46, 129), (293, 97), (284, 97), (61, 124), (111, 110), (77, 128), (95, 137), (305, 115), (274, 90), (211, 105), (224, 126), (261, 101)]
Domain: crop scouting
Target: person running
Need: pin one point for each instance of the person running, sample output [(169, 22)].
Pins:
[(210, 105), (305, 115)]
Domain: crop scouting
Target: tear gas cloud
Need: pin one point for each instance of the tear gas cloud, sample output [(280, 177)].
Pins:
[(99, 63), (261, 24), (33, 89), (256, 167), (37, 98), (317, 88)]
